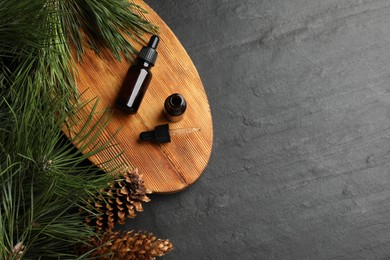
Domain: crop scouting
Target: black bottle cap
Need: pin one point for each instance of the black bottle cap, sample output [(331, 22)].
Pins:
[(159, 135), (149, 53)]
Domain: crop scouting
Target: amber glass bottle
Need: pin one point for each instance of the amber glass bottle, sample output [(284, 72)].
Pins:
[(174, 107), (138, 78)]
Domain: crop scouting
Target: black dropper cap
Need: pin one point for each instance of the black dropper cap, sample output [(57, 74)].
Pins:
[(159, 135), (149, 53)]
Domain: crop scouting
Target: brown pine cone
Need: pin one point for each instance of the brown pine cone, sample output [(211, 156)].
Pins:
[(119, 201), (127, 246), (17, 252)]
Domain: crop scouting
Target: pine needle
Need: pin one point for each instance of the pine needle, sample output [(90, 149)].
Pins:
[(43, 180)]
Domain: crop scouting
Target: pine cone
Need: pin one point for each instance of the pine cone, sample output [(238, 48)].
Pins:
[(127, 246), (17, 252), (120, 201)]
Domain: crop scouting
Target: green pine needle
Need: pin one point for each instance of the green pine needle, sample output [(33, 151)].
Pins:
[(96, 24), (44, 180)]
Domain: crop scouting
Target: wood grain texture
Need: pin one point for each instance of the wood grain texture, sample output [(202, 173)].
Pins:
[(169, 167)]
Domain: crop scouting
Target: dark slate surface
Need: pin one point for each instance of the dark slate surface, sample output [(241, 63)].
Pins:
[(300, 97)]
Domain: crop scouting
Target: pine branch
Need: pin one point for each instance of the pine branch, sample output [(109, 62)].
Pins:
[(43, 181), (107, 24), (41, 189)]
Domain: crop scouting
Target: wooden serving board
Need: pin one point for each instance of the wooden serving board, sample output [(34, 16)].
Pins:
[(168, 167)]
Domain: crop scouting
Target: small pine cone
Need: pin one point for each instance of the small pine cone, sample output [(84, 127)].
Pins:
[(121, 200), (17, 252), (127, 246)]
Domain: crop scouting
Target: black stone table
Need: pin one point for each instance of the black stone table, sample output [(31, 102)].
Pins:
[(300, 97)]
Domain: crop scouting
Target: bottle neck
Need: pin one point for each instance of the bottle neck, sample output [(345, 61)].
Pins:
[(175, 104), (141, 62)]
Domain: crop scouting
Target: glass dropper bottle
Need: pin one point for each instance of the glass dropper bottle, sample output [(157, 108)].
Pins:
[(138, 78)]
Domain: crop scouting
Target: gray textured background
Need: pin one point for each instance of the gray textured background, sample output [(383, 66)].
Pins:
[(299, 92)]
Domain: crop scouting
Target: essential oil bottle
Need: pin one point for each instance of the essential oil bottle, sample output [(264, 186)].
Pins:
[(174, 107), (138, 78)]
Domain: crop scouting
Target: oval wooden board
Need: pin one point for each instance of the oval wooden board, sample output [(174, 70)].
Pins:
[(166, 168)]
